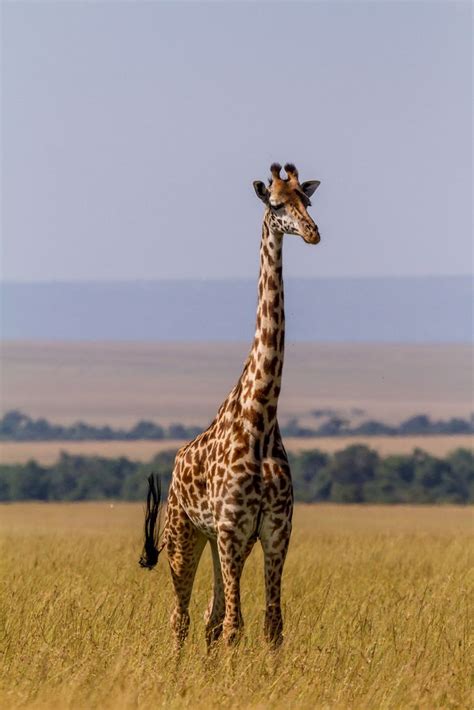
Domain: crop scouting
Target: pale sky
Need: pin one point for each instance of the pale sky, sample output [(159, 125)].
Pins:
[(132, 133)]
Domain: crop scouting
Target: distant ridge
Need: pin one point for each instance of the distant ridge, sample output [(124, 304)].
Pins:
[(385, 309)]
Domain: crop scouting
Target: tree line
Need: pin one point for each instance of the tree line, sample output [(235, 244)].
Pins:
[(356, 474), (16, 426)]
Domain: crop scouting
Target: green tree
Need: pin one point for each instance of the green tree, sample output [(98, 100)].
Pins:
[(419, 424), (311, 479), (146, 430), (29, 482), (350, 470), (392, 481)]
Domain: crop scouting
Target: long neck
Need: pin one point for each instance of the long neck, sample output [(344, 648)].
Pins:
[(261, 379)]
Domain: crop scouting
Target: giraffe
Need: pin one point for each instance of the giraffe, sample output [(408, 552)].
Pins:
[(232, 484)]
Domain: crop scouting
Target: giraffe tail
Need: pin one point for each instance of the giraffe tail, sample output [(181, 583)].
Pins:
[(152, 546)]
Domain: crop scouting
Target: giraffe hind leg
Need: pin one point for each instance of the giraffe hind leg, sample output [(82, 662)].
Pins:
[(275, 537), (233, 551), (185, 545)]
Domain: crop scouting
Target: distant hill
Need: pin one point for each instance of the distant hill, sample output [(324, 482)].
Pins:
[(396, 309)]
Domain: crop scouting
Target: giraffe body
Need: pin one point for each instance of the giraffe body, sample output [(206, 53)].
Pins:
[(232, 485)]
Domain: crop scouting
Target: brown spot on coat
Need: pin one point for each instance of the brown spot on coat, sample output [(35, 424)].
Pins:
[(272, 284)]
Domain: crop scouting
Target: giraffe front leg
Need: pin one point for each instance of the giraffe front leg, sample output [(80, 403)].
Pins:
[(232, 565), (233, 550), (215, 613), (275, 538), (273, 627)]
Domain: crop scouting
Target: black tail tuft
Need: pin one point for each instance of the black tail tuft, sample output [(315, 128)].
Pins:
[(151, 550)]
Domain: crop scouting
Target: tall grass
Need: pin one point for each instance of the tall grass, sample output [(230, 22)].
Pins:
[(375, 601)]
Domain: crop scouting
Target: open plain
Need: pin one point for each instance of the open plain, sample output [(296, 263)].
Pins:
[(119, 383), (376, 604)]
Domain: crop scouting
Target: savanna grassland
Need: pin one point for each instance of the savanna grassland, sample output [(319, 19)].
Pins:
[(376, 603), (119, 383)]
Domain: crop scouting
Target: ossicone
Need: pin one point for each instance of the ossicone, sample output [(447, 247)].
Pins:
[(275, 169), (291, 171)]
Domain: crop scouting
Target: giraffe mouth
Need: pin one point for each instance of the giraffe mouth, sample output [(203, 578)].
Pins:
[(314, 239)]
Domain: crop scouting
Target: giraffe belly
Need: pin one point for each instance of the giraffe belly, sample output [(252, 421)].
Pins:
[(228, 500), (203, 521)]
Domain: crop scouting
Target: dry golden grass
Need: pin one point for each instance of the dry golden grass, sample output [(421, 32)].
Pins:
[(375, 600), (47, 452)]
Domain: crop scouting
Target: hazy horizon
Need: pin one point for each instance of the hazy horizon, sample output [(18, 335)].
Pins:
[(229, 279), (381, 309)]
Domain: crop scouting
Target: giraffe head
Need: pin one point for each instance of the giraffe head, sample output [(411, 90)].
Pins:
[(287, 202)]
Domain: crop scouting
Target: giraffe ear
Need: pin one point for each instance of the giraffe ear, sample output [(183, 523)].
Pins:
[(261, 190), (310, 186)]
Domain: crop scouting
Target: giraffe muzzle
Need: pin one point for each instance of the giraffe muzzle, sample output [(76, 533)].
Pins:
[(312, 236)]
